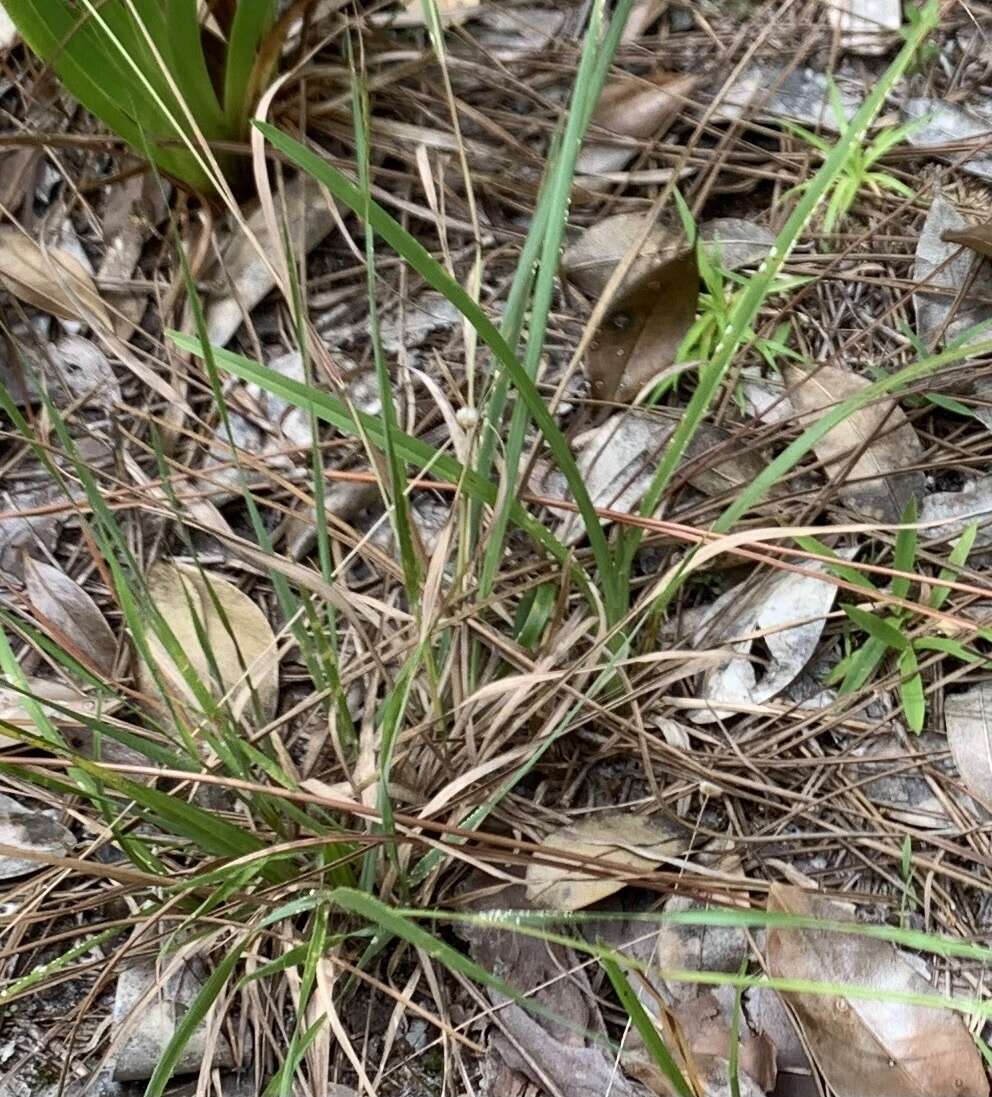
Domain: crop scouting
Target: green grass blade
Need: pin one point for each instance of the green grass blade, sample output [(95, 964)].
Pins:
[(878, 628), (911, 695), (589, 78), (786, 461), (191, 1019), (397, 501), (412, 450), (646, 1027), (253, 19), (904, 554), (837, 565), (957, 558), (863, 664), (185, 45)]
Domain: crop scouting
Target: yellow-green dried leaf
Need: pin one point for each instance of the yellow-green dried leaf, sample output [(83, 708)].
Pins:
[(240, 640)]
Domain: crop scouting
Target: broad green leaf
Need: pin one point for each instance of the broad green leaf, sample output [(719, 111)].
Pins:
[(904, 555), (878, 627), (957, 558)]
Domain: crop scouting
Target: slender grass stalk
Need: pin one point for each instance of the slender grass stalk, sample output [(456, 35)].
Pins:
[(397, 501), (589, 79), (646, 1028), (414, 451)]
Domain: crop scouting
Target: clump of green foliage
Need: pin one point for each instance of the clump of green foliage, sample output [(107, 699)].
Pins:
[(167, 83)]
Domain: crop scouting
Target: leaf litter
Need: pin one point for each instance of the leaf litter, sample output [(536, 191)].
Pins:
[(619, 838), (639, 338), (69, 615), (50, 278), (943, 270), (30, 831), (787, 611), (618, 460), (634, 109), (968, 719)]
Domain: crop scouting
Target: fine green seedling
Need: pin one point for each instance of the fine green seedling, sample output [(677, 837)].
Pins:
[(859, 171), (717, 303), (886, 631), (157, 76)]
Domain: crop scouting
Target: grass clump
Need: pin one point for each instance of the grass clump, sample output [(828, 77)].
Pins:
[(295, 889)]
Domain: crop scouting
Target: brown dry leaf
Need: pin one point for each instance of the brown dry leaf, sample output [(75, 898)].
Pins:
[(641, 335), (617, 837), (51, 279), (31, 831), (707, 1030), (704, 1024), (886, 442), (69, 615), (243, 647), (590, 261), (976, 237), (867, 27), (968, 718), (865, 1047), (634, 108)]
